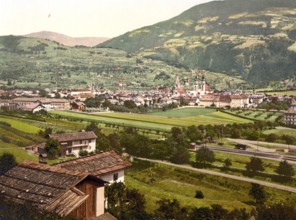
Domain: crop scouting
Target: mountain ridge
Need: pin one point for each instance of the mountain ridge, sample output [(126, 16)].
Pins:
[(67, 40), (254, 39)]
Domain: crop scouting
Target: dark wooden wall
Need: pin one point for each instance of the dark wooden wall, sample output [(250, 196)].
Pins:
[(88, 208)]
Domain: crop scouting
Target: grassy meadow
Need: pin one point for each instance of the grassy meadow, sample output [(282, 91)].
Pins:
[(159, 120), (157, 181), (20, 124), (282, 131)]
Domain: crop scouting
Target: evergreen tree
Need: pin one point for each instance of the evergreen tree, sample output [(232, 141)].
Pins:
[(204, 155), (258, 193), (285, 169), (7, 161), (53, 148), (255, 165)]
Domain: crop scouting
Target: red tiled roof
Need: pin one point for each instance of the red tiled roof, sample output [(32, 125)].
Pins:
[(97, 164), (209, 98)]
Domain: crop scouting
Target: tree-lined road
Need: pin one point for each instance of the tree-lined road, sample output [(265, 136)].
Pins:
[(271, 156)]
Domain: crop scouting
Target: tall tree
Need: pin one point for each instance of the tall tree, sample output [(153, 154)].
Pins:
[(204, 155), (53, 148), (285, 169), (180, 155), (169, 210), (258, 193), (278, 211), (125, 203), (201, 213), (7, 161), (255, 164), (93, 127), (227, 163)]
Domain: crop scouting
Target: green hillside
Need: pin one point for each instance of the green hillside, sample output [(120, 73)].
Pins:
[(253, 39), (36, 63)]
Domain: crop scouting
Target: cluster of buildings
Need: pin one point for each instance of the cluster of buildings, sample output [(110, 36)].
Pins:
[(199, 94)]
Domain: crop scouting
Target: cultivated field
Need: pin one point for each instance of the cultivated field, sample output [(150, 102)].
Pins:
[(19, 124), (256, 114), (159, 120), (159, 181)]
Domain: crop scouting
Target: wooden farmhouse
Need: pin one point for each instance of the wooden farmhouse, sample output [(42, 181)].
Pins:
[(73, 143), (108, 166), (51, 188)]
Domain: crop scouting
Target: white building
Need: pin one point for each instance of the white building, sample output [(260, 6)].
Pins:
[(73, 143)]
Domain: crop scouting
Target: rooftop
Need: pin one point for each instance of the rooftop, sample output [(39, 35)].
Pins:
[(97, 164), (45, 187), (74, 136)]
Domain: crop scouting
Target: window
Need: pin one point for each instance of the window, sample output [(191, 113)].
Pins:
[(115, 176)]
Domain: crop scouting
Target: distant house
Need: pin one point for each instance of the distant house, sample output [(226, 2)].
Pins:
[(239, 101), (290, 117), (108, 166), (293, 105), (224, 100), (57, 190), (33, 107), (73, 143), (80, 106), (8, 105), (48, 103)]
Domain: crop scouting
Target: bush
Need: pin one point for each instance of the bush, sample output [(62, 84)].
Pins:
[(83, 153), (199, 194)]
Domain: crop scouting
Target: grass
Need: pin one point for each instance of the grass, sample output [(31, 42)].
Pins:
[(281, 131), (19, 153), (182, 117), (184, 112), (160, 181), (240, 161), (256, 114), (20, 125)]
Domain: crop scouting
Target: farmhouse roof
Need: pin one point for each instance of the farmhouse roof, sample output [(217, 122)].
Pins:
[(290, 111), (209, 98), (74, 136), (97, 164), (38, 99), (45, 187), (242, 96)]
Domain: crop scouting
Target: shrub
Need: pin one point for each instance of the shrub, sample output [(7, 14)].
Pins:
[(83, 153), (199, 194)]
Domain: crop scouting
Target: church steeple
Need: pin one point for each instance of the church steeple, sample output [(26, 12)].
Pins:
[(177, 83)]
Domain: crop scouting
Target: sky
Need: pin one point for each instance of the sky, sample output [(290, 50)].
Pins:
[(86, 18)]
